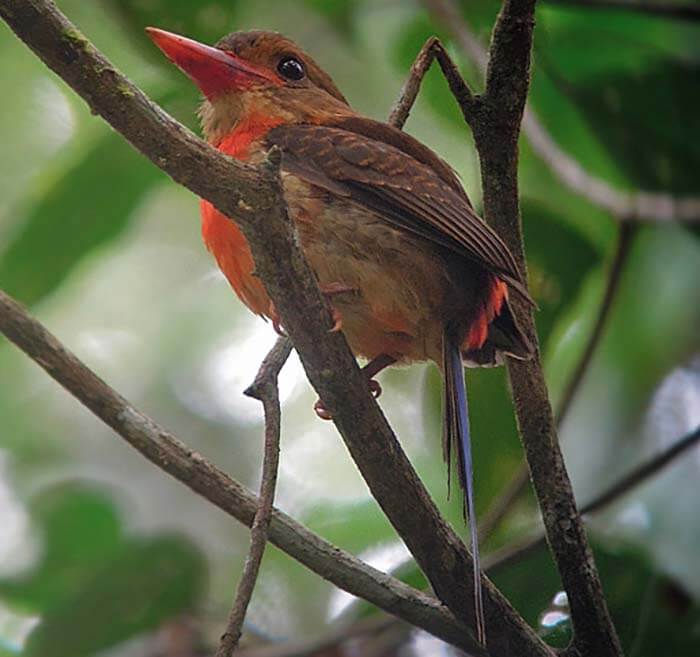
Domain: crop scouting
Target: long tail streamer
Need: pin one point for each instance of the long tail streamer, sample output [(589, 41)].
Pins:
[(457, 435)]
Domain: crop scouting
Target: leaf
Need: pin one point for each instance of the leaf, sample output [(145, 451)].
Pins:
[(623, 108), (79, 529), (652, 616), (87, 205), (91, 576), (147, 583), (353, 526)]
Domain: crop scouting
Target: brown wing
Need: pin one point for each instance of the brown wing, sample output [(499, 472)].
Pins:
[(406, 188)]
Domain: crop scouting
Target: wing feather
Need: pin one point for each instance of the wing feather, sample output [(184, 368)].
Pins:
[(406, 190)]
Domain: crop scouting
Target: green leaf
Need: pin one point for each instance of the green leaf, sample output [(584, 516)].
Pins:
[(353, 526), (147, 583), (624, 108), (84, 207), (652, 616), (79, 529)]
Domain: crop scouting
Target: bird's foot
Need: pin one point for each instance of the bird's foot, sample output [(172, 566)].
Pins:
[(375, 366), (275, 319), (331, 290), (337, 320)]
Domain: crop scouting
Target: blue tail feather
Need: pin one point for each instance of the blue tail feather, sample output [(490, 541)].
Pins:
[(458, 436)]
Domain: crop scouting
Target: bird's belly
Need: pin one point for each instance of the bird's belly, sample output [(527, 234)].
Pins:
[(399, 282), (403, 292)]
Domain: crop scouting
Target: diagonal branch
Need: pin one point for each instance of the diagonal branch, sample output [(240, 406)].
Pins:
[(496, 129), (253, 196), (265, 389), (192, 469), (512, 553)]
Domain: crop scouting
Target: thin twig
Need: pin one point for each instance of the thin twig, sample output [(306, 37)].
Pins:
[(517, 551), (642, 472), (624, 241), (432, 49), (254, 196), (192, 469), (265, 389), (679, 10), (638, 205), (504, 503)]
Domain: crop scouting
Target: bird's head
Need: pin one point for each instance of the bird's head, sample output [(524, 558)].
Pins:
[(256, 73)]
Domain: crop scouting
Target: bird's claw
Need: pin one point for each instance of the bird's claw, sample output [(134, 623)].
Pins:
[(322, 411), (276, 321), (337, 321), (325, 414)]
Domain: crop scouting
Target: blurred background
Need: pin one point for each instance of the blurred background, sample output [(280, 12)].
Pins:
[(102, 554)]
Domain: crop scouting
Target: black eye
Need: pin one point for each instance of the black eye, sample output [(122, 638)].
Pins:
[(291, 68)]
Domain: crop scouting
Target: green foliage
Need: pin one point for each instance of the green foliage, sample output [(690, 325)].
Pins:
[(620, 97), (339, 13), (644, 606), (115, 585), (69, 218)]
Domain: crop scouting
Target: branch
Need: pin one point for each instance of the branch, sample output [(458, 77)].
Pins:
[(265, 389), (512, 553), (496, 130), (432, 49), (190, 468), (254, 197), (503, 504), (678, 10), (520, 549)]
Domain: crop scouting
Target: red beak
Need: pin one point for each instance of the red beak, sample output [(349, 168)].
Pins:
[(213, 70)]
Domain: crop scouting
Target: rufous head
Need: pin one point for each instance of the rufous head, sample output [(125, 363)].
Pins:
[(253, 72)]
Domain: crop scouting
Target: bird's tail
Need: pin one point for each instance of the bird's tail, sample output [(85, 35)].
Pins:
[(456, 437)]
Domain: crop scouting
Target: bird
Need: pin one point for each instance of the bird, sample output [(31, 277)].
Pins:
[(411, 272)]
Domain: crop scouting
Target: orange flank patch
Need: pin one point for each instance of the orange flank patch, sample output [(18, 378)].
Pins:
[(479, 330), (222, 236)]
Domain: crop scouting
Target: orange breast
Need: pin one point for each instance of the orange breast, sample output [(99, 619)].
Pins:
[(222, 236)]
